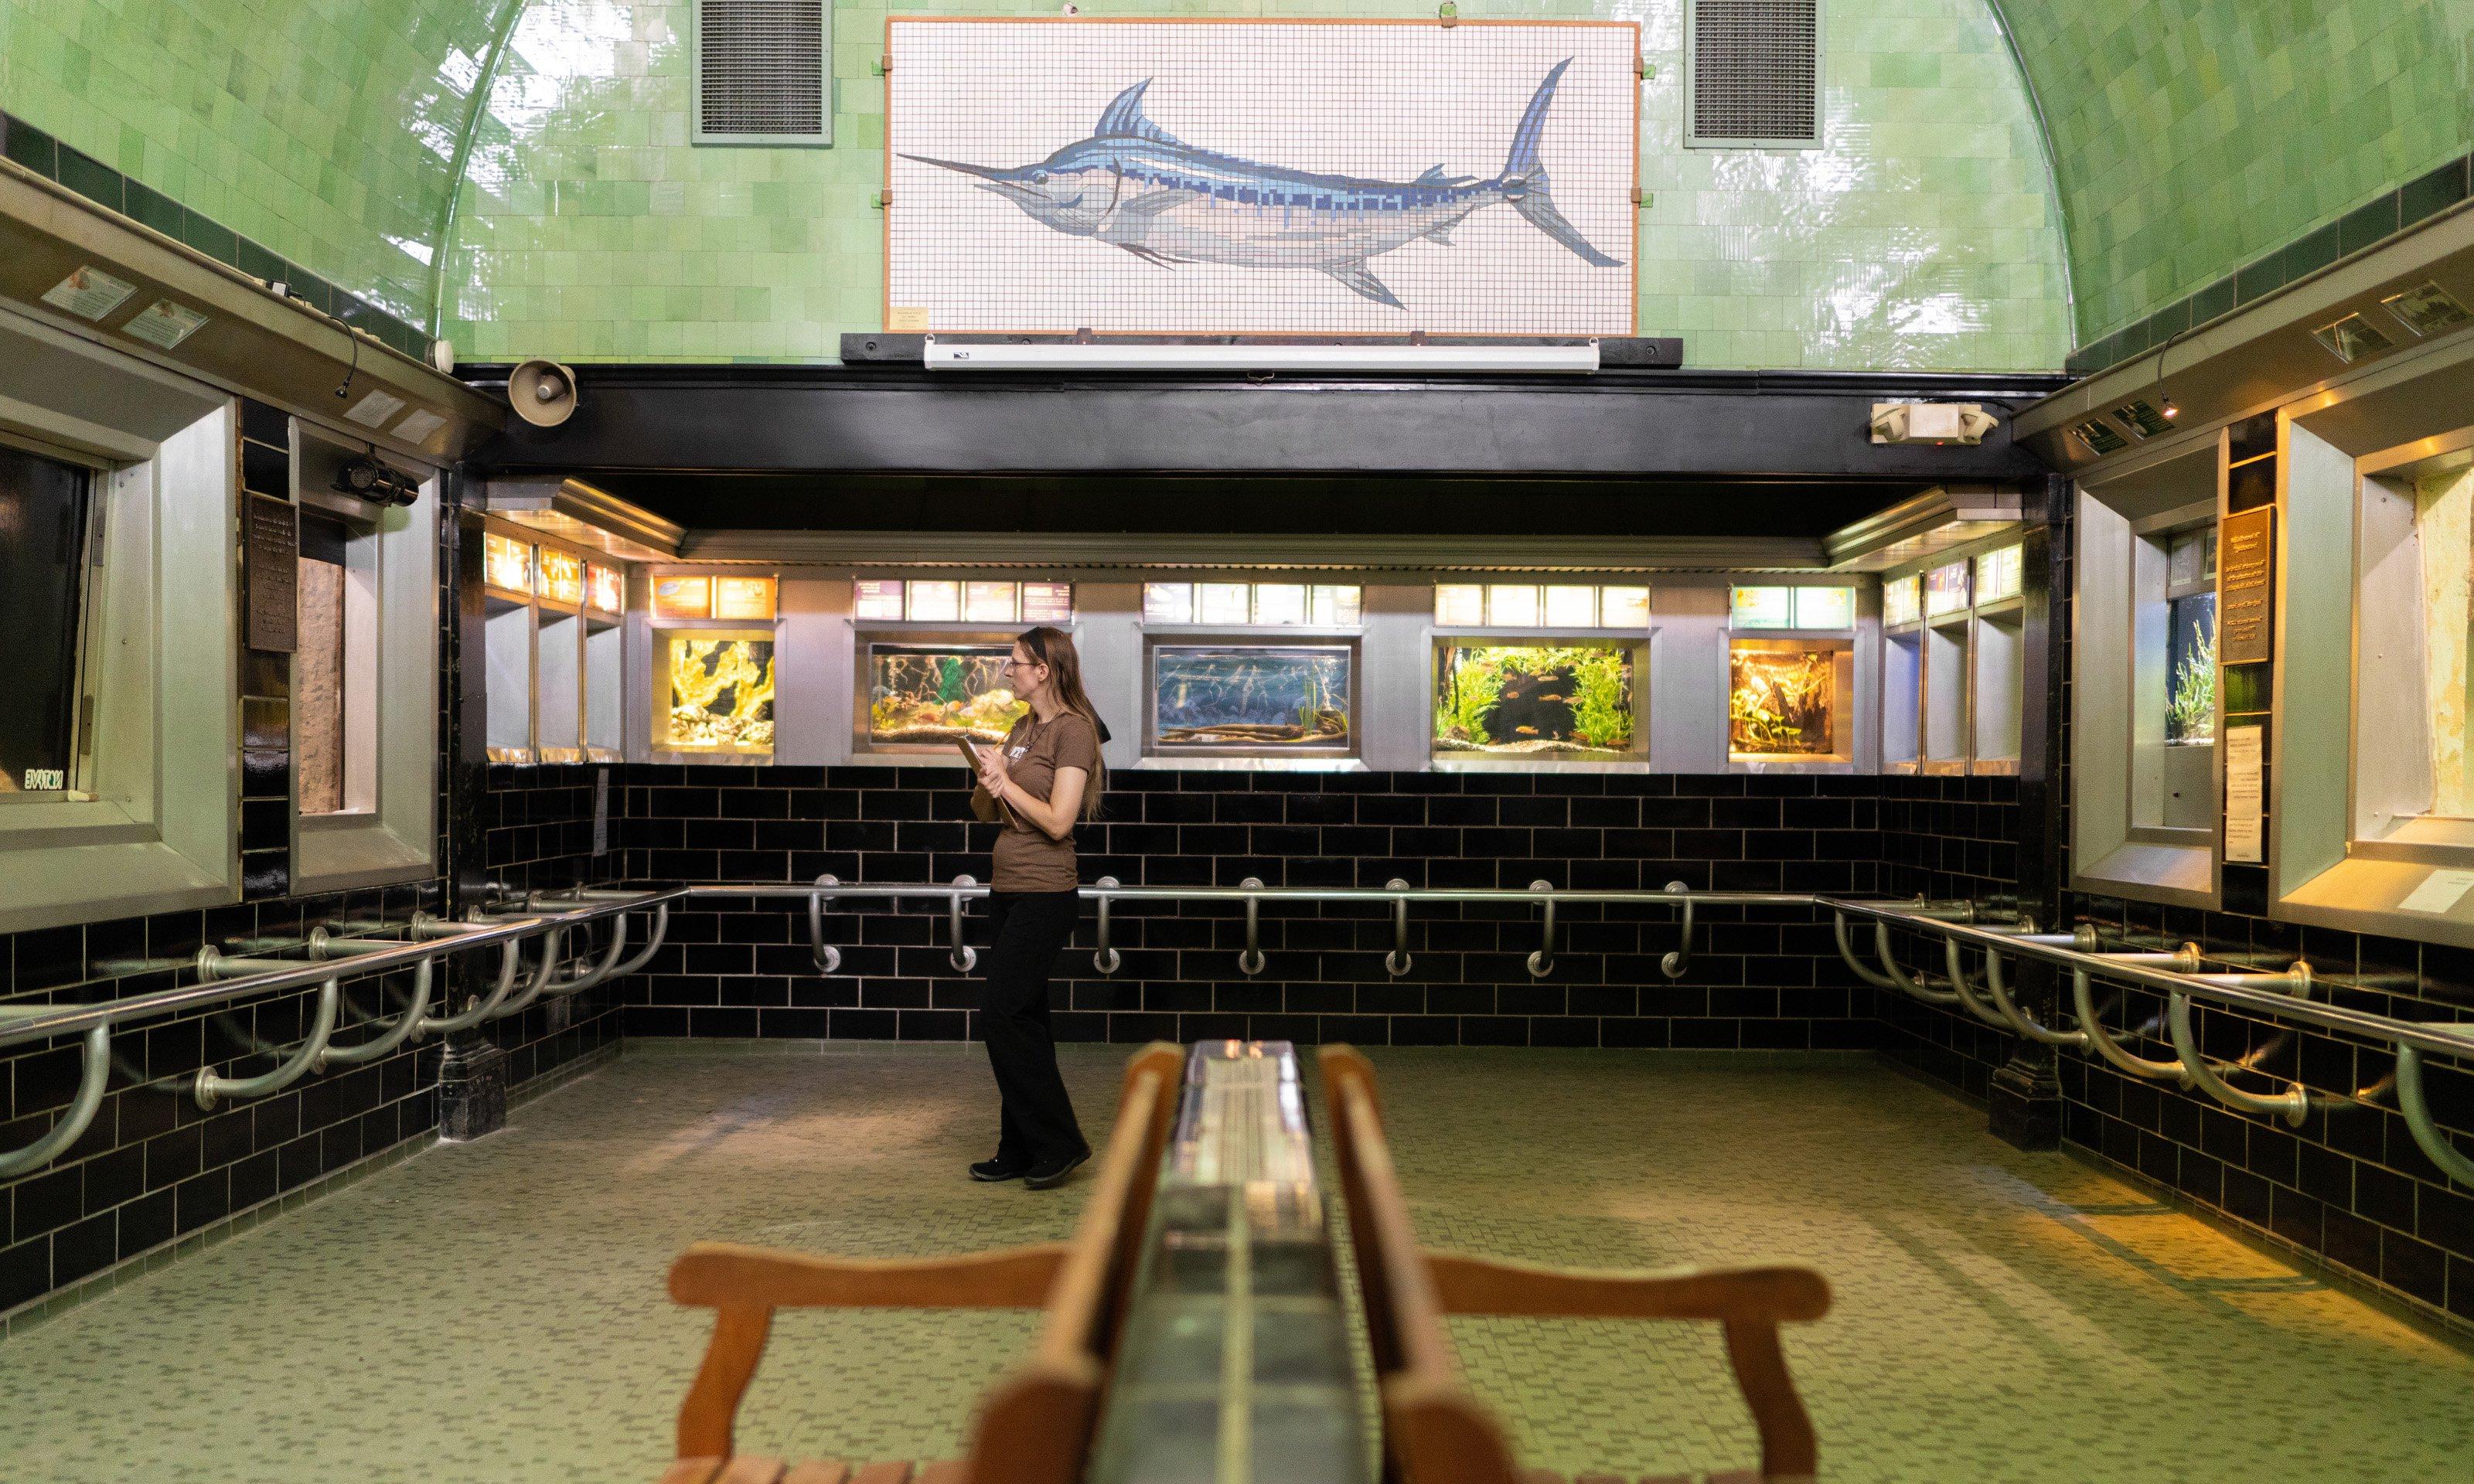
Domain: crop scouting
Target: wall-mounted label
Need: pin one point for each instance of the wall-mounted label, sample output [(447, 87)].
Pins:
[(2242, 796), (417, 428), (89, 294), (2246, 587), (2438, 892), (743, 597), (373, 410), (165, 323), (876, 597), (46, 780), (1048, 603), (683, 597), (270, 532), (905, 320)]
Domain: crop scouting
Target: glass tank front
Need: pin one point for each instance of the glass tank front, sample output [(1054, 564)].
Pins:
[(1264, 699), (1547, 702), (2191, 647), (716, 692), (928, 695), (42, 535), (1781, 700)]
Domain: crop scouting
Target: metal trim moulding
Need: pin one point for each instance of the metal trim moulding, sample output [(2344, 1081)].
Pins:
[(890, 420)]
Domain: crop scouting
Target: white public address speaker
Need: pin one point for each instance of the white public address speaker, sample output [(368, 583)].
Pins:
[(543, 393)]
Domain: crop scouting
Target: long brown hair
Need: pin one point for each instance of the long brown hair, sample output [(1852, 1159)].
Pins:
[(1053, 647)]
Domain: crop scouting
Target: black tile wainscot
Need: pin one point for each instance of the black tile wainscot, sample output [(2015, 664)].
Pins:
[(1757, 979)]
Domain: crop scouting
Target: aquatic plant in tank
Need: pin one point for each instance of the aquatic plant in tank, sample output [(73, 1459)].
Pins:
[(1280, 698), (720, 693), (1781, 700), (926, 694), (2191, 664), (1515, 700)]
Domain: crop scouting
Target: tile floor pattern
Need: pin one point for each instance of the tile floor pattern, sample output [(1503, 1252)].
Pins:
[(493, 1312)]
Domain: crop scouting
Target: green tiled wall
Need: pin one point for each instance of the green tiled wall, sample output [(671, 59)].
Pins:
[(2191, 136), (325, 131), (1924, 235)]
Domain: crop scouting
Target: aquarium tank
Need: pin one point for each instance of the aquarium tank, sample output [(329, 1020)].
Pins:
[(1782, 701), (2190, 671), (1573, 701), (720, 693), (1254, 697), (928, 694)]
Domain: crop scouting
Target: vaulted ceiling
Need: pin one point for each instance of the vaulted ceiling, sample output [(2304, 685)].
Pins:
[(2183, 137)]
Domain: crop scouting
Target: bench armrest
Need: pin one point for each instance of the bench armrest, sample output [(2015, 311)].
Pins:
[(1468, 1284), (748, 1283), (1751, 1302), (719, 1275)]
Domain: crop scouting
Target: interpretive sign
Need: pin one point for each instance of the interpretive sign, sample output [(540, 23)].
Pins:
[(271, 535), (2246, 587)]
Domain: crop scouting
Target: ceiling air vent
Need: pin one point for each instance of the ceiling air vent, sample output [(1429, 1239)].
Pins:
[(1756, 73), (2142, 419), (2098, 438), (761, 72)]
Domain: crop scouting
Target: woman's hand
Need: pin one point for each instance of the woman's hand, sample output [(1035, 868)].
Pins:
[(992, 774)]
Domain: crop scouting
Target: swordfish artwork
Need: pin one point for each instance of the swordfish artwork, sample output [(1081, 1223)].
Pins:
[(1135, 186)]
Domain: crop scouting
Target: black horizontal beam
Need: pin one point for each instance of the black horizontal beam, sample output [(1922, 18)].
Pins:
[(890, 420)]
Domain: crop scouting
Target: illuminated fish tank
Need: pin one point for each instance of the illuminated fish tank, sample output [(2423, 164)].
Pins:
[(714, 691), (1253, 700), (927, 695), (1539, 702), (1784, 700)]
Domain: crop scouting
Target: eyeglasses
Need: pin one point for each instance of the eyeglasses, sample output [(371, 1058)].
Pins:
[(1021, 664)]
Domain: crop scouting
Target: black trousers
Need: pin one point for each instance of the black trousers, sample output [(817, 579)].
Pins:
[(1031, 928)]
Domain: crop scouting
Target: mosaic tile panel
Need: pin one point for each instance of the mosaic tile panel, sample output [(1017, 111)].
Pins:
[(1924, 234)]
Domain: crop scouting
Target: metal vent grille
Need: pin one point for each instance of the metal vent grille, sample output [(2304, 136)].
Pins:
[(1757, 71), (761, 71)]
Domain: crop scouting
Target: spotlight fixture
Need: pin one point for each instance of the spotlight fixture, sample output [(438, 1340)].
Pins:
[(365, 478), (2170, 411)]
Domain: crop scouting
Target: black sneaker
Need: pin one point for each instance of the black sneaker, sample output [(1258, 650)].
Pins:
[(990, 1171), (1051, 1174)]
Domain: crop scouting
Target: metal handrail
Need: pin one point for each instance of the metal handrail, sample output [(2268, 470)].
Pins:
[(227, 979), (2436, 1146)]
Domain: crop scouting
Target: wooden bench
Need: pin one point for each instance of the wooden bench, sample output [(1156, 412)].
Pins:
[(1035, 1425), (1434, 1430)]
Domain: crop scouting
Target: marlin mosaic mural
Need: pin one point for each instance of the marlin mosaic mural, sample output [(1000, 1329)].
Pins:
[(1133, 186)]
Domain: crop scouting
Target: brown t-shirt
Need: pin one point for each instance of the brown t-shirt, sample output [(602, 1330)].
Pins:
[(1028, 858)]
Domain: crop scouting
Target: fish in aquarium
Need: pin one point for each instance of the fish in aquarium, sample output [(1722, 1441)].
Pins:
[(918, 696), (1251, 698), (722, 694), (1781, 703), (1522, 699)]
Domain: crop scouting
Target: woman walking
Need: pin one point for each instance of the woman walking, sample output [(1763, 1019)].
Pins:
[(1046, 776)]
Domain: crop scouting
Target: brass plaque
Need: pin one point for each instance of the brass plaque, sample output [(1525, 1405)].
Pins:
[(2246, 587), (271, 543)]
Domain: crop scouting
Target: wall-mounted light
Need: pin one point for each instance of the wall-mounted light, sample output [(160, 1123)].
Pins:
[(1117, 356)]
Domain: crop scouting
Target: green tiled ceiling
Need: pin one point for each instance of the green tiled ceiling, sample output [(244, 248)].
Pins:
[(2192, 136), (2189, 138), (1922, 235), (324, 130)]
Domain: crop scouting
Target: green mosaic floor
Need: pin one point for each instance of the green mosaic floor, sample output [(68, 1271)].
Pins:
[(493, 1312)]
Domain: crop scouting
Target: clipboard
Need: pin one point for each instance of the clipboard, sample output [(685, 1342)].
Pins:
[(971, 758)]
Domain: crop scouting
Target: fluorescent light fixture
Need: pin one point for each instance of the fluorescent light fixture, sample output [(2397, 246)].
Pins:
[(1579, 360)]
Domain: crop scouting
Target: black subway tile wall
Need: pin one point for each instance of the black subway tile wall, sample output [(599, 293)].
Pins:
[(537, 833), (1757, 979), (2349, 1186), (154, 1166)]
